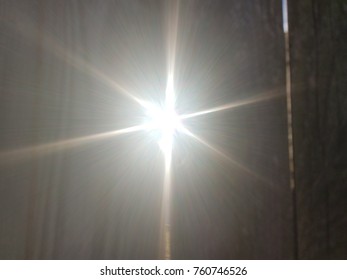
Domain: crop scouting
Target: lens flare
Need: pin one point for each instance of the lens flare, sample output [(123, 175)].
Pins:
[(165, 120)]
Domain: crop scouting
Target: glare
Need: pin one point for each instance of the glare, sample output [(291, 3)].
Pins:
[(166, 121)]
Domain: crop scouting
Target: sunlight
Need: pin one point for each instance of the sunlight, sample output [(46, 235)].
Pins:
[(48, 148), (161, 118), (224, 156), (166, 121), (256, 99)]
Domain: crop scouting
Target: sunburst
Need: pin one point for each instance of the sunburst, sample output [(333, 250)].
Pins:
[(162, 118)]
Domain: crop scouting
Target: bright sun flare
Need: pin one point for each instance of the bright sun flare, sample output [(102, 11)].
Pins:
[(166, 121)]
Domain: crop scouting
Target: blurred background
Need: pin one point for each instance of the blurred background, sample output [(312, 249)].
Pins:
[(270, 182)]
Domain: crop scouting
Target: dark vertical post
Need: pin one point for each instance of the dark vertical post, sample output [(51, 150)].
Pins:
[(318, 43), (290, 128)]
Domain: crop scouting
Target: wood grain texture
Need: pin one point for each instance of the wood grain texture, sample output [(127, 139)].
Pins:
[(318, 44)]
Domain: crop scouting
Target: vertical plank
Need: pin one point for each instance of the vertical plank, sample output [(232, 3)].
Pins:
[(318, 43)]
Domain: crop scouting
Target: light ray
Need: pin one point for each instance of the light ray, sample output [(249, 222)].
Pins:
[(172, 27), (224, 156), (168, 131), (52, 45), (205, 143), (87, 68), (173, 123), (233, 105), (43, 149), (165, 238), (166, 145)]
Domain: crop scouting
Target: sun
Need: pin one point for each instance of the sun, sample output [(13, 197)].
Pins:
[(165, 120), (167, 123)]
